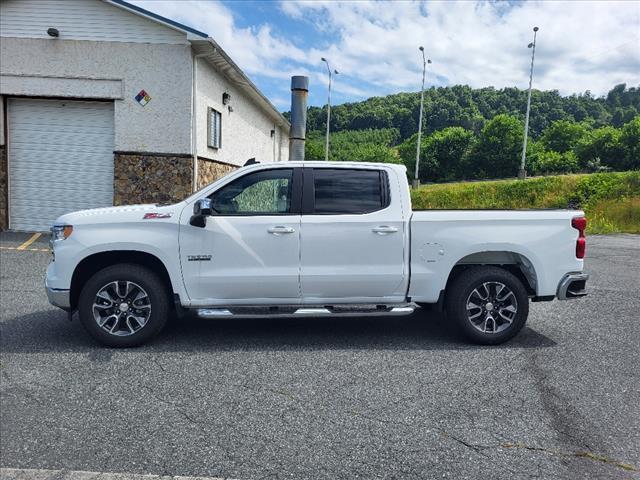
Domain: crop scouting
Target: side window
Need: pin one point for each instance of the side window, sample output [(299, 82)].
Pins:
[(267, 192), (215, 128), (344, 191)]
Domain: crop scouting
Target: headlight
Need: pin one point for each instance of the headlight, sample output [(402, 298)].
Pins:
[(60, 232)]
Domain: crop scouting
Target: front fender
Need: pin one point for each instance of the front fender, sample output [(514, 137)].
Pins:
[(159, 239)]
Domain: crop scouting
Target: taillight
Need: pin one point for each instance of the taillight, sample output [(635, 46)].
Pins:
[(580, 224)]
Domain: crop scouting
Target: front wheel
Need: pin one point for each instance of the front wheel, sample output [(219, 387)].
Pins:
[(489, 304), (123, 305)]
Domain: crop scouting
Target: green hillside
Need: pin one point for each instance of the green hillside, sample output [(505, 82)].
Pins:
[(477, 133)]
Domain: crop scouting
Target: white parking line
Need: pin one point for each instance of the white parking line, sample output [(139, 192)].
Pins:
[(42, 474), (26, 249)]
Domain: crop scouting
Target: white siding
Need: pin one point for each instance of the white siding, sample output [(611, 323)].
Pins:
[(164, 71), (81, 20), (60, 159), (47, 86), (246, 131)]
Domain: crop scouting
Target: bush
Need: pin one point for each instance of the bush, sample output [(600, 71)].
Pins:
[(595, 193), (550, 162)]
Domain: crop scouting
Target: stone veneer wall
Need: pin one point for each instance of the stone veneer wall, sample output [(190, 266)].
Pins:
[(210, 170), (4, 181), (151, 178)]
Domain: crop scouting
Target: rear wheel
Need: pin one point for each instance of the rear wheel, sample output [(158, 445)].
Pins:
[(123, 305), (488, 304)]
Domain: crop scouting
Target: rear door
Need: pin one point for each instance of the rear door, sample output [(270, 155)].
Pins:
[(352, 240)]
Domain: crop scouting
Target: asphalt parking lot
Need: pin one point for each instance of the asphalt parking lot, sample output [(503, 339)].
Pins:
[(326, 398)]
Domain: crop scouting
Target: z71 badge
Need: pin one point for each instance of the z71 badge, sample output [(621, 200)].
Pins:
[(198, 258)]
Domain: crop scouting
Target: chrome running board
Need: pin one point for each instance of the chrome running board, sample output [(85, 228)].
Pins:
[(307, 311)]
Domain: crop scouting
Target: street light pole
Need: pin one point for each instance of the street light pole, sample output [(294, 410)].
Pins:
[(416, 180), (522, 173), (326, 147)]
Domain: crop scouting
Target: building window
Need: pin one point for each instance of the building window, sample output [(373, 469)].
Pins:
[(215, 128)]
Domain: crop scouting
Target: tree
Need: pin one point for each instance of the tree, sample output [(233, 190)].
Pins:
[(370, 145), (314, 147), (582, 124), (630, 142), (563, 135), (442, 154), (601, 147), (496, 154)]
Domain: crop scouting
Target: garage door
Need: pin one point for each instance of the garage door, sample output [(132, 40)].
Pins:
[(60, 159)]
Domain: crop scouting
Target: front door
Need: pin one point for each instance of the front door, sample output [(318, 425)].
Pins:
[(352, 247), (249, 251)]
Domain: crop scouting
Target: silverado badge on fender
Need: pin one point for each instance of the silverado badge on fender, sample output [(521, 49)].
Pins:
[(198, 258)]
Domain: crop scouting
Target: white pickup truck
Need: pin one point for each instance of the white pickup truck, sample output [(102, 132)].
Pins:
[(307, 239)]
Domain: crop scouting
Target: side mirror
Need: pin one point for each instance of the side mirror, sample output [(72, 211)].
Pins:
[(201, 210), (202, 207)]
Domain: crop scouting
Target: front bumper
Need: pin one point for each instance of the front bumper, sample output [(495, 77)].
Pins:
[(58, 298), (573, 285)]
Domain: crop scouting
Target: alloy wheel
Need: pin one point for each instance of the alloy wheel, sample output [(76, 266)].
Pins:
[(121, 308), (491, 307)]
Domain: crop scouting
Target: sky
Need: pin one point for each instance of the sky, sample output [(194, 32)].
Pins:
[(581, 45)]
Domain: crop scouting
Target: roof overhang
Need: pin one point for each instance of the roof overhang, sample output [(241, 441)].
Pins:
[(157, 18), (218, 58), (205, 46)]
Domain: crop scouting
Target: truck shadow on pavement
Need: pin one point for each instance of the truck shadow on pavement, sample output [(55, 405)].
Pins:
[(50, 331)]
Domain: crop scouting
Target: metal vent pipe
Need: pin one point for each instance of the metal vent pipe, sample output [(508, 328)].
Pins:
[(298, 133)]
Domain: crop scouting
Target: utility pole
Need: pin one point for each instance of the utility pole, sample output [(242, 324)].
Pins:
[(522, 173), (416, 180), (326, 146)]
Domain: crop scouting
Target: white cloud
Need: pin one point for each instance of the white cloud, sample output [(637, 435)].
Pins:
[(581, 44), (258, 50)]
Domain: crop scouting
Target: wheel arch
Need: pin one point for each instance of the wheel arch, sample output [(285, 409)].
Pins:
[(514, 262), (97, 261)]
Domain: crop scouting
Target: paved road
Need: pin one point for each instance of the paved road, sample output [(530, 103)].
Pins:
[(328, 398)]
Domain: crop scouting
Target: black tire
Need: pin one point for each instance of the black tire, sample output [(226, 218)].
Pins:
[(156, 292), (478, 279)]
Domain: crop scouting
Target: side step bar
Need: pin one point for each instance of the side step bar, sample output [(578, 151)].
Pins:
[(334, 311)]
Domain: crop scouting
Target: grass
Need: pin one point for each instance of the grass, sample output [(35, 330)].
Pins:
[(611, 201)]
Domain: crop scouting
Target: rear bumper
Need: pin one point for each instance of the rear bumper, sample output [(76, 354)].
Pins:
[(573, 285)]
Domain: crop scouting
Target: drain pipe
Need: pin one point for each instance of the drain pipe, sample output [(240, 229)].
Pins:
[(194, 123), (297, 135)]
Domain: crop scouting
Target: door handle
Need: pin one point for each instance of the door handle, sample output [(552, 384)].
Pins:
[(384, 230), (279, 230)]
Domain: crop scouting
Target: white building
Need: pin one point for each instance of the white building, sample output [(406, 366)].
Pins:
[(97, 108)]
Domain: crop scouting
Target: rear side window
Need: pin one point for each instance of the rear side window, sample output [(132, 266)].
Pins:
[(344, 191)]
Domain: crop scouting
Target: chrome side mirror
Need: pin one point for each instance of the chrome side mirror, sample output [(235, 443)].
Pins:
[(203, 208)]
